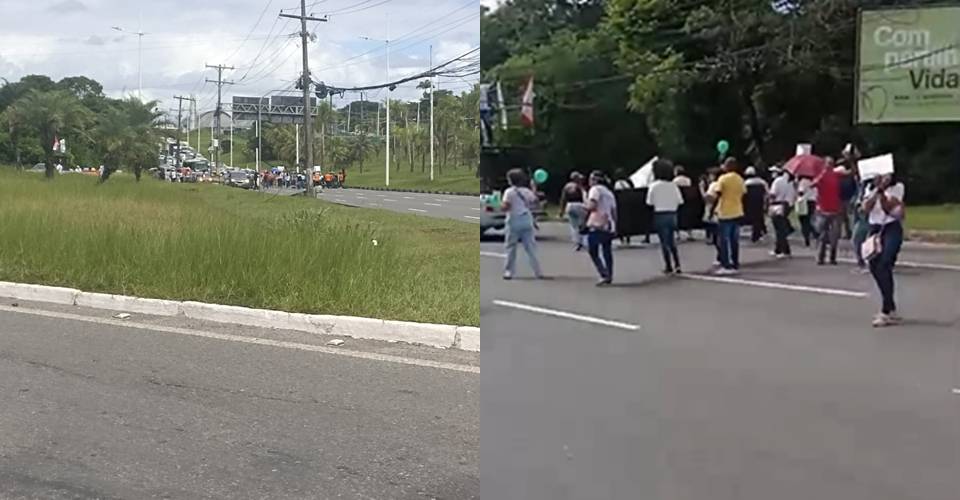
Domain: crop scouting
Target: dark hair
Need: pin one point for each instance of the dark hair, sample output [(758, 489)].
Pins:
[(731, 164), (516, 177), (663, 170), (679, 170)]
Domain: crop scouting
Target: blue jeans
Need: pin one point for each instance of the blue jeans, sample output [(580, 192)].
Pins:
[(577, 215), (599, 240), (520, 230), (666, 224), (881, 266), (729, 240)]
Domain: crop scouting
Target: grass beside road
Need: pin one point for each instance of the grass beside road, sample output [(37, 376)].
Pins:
[(934, 218), (215, 244), (456, 180)]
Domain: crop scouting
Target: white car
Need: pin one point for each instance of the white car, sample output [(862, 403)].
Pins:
[(491, 215)]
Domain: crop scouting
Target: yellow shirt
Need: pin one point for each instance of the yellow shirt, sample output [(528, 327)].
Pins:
[(730, 190)]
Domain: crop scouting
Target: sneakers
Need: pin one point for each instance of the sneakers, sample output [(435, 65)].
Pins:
[(604, 282), (882, 320), (725, 272), (774, 253), (508, 276)]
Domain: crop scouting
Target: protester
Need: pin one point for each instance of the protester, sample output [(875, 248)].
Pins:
[(602, 226), (755, 204), (709, 208), (623, 183), (884, 207), (683, 182), (848, 199), (665, 198), (783, 195), (861, 227), (572, 207), (806, 208), (517, 200), (728, 193), (829, 206)]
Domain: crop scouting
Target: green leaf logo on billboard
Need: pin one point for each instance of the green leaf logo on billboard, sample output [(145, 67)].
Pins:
[(909, 65)]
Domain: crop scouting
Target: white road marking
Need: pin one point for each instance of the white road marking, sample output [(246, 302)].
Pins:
[(433, 204), (917, 265), (566, 315), (247, 340), (475, 209), (440, 199), (417, 210), (388, 199), (408, 197), (471, 217), (775, 285), (494, 255), (956, 390)]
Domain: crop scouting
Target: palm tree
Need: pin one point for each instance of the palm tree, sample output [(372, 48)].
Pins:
[(53, 114), (126, 137)]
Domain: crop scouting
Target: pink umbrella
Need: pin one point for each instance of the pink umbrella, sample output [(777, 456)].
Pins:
[(806, 165)]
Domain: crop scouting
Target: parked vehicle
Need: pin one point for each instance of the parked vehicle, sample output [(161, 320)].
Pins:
[(238, 178)]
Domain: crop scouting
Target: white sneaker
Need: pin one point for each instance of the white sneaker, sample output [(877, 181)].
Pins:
[(725, 272), (508, 276), (774, 254)]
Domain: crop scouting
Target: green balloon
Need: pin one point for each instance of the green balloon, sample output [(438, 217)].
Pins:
[(540, 176), (723, 147)]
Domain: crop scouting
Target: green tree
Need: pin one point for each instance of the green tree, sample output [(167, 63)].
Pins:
[(52, 114), (126, 136)]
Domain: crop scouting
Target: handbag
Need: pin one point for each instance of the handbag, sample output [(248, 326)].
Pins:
[(872, 246), (777, 210)]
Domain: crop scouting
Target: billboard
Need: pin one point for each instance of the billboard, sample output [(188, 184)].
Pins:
[(908, 65)]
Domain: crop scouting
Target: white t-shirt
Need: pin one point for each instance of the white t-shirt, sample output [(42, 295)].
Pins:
[(664, 196), (606, 205), (682, 181), (808, 192), (877, 216), (622, 185), (519, 199), (783, 190)]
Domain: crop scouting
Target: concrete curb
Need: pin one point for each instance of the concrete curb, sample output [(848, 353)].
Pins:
[(433, 335)]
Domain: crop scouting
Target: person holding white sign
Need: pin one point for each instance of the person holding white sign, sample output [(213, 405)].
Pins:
[(884, 207)]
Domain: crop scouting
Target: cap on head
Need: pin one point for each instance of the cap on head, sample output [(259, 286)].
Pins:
[(750, 171)]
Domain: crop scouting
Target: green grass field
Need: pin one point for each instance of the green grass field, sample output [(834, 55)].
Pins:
[(457, 180), (215, 244), (934, 218)]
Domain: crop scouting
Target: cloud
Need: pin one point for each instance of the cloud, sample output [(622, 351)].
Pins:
[(94, 40), (68, 7)]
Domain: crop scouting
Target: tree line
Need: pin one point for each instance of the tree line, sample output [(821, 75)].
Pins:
[(619, 81), (37, 111), (351, 136)]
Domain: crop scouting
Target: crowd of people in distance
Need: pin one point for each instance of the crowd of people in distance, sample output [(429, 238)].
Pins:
[(835, 203)]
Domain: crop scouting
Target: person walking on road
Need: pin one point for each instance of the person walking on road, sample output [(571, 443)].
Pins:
[(572, 207), (829, 206), (683, 182), (755, 204), (783, 195), (884, 207), (806, 208), (517, 200), (602, 226), (623, 183), (664, 196), (709, 208), (728, 192)]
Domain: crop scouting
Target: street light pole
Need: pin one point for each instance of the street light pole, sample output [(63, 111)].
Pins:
[(139, 34), (387, 100)]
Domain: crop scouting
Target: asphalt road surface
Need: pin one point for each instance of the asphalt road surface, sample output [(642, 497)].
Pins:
[(769, 386), (179, 409), (461, 208)]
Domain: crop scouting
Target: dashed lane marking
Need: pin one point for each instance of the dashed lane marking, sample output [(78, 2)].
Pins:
[(566, 315), (776, 285)]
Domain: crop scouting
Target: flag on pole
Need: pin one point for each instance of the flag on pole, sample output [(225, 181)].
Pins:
[(56, 144), (503, 108), (526, 109)]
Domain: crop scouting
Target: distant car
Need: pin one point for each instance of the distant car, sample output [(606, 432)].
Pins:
[(491, 215), (238, 178)]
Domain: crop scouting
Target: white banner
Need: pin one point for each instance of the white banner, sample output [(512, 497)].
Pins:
[(873, 167), (804, 149)]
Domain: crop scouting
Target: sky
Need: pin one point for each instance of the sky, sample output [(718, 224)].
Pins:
[(62, 38)]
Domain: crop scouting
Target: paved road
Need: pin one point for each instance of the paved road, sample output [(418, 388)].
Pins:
[(93, 410), (461, 208), (708, 390)]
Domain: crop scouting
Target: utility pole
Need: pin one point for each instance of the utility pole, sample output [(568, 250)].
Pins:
[(216, 116), (305, 83), (431, 115), (180, 100)]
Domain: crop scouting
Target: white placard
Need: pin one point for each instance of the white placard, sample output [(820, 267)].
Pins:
[(804, 149), (873, 167), (643, 177)]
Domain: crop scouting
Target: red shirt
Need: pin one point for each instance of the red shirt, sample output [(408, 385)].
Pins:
[(828, 193)]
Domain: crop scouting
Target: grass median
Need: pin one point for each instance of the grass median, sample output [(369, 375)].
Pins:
[(453, 180), (215, 244)]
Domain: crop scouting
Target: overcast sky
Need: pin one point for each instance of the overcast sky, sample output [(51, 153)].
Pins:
[(75, 37)]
